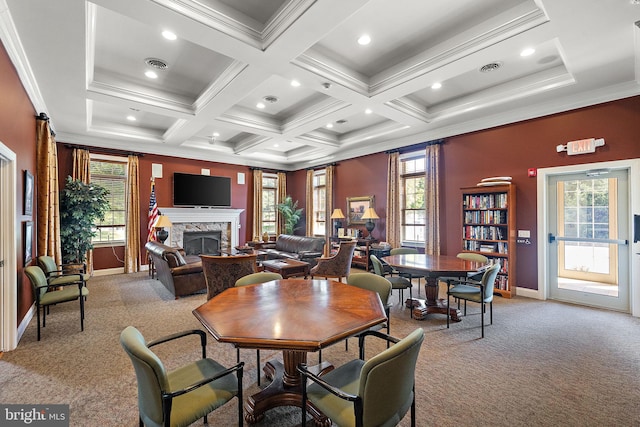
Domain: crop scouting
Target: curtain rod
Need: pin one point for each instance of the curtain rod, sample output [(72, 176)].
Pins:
[(415, 147), (100, 150), (43, 116)]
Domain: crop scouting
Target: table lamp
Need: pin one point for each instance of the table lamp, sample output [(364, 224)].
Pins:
[(161, 233), (337, 215), (370, 215)]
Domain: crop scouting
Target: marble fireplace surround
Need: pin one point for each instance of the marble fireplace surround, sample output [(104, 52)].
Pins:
[(227, 220)]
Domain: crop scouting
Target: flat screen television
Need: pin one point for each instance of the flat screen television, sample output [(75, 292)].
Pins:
[(201, 190)]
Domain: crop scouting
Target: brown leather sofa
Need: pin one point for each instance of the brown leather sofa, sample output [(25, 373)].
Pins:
[(301, 248), (179, 274)]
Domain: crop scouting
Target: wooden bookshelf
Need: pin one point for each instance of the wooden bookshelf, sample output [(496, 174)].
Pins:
[(489, 228)]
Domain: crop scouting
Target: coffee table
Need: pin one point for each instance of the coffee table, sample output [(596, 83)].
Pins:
[(287, 267)]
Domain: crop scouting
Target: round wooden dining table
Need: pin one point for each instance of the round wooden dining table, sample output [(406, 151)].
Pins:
[(296, 316), (432, 267)]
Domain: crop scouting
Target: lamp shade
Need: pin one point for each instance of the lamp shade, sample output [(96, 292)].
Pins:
[(370, 214), (337, 214), (163, 221)]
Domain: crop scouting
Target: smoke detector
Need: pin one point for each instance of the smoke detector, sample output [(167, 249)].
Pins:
[(156, 63)]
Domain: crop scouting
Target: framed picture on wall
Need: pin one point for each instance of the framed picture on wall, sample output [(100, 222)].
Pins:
[(28, 193), (356, 207), (28, 242)]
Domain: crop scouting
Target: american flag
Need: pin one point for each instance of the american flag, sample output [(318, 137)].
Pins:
[(153, 213)]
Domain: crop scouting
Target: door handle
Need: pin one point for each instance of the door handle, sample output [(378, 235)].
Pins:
[(552, 238)]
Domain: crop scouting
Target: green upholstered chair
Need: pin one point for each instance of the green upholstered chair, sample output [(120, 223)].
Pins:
[(397, 282), (375, 283), (65, 273), (260, 277), (378, 392), (46, 294), (252, 279), (402, 251), (336, 266), (181, 396), (481, 293)]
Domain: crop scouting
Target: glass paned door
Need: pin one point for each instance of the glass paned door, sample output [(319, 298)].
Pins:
[(588, 239)]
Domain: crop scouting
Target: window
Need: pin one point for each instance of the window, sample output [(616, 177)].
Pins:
[(319, 202), (269, 203), (412, 198), (111, 175)]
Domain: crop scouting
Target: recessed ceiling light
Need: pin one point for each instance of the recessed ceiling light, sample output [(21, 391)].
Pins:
[(295, 83), (528, 51), (329, 125), (131, 118), (276, 145), (364, 40), (151, 74), (368, 111), (169, 35), (436, 85), (260, 105), (216, 134)]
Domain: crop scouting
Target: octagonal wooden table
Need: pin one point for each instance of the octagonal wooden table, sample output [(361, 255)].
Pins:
[(432, 267), (296, 316)]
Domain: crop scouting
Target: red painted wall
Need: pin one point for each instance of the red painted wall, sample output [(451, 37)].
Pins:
[(507, 150), (18, 133), (241, 195), (511, 150)]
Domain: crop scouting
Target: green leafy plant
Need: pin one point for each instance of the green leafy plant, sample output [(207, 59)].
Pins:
[(291, 214), (81, 205)]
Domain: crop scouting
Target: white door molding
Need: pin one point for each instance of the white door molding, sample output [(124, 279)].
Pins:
[(8, 250), (633, 166)]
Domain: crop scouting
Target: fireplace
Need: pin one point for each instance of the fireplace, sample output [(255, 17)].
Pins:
[(202, 242), (185, 220)]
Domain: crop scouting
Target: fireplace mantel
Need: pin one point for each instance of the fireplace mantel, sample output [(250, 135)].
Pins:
[(204, 215)]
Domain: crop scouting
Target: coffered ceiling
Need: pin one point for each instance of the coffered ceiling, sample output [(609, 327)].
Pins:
[(84, 64)]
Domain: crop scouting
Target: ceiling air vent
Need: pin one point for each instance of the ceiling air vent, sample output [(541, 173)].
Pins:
[(490, 67), (156, 63)]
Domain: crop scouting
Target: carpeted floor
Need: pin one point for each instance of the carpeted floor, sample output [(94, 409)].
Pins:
[(541, 363)]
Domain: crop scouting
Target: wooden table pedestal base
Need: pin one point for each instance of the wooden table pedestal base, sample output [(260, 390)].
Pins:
[(284, 390), (422, 307)]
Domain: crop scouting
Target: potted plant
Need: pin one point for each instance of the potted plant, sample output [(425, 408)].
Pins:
[(81, 205), (291, 214)]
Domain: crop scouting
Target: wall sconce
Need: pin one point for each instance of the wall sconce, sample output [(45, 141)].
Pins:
[(370, 215), (162, 222), (337, 215)]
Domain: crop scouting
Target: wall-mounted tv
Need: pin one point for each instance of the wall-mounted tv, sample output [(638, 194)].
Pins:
[(201, 190)]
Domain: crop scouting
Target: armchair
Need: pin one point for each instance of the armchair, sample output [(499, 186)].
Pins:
[(378, 392), (397, 282), (182, 396), (252, 279), (481, 293), (46, 295), (338, 265), (382, 286), (221, 272), (65, 273)]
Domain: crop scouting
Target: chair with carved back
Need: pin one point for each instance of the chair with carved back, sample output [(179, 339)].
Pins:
[(221, 272), (336, 266)]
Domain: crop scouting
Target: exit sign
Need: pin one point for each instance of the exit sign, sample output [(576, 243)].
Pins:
[(581, 146)]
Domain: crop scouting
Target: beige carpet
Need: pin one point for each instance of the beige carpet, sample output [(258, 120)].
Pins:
[(541, 363)]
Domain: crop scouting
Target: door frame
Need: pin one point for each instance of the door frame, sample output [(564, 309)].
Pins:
[(8, 249), (633, 166)]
